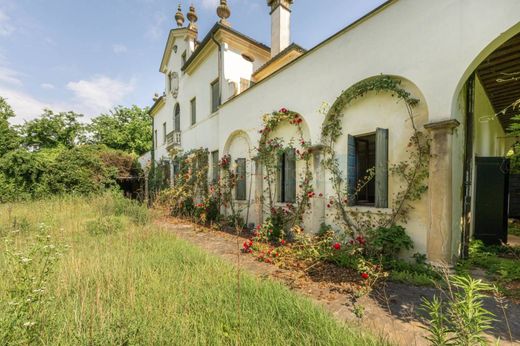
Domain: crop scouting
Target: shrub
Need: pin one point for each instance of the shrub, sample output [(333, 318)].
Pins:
[(104, 225), (121, 206), (387, 242), (462, 319)]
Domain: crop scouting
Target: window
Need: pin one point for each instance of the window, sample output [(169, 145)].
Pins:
[(183, 58), (155, 139), (240, 189), (177, 118), (193, 111), (176, 170), (215, 96), (287, 177), (368, 155), (215, 167), (164, 132)]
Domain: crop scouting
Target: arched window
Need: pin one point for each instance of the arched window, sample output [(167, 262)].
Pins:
[(177, 118)]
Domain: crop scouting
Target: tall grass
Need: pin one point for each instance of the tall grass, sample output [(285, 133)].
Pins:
[(139, 285)]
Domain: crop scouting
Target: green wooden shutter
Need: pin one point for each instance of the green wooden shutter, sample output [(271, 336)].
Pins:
[(240, 194), (351, 170), (381, 168), (290, 176)]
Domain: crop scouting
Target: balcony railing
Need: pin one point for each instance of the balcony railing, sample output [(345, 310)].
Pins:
[(173, 139)]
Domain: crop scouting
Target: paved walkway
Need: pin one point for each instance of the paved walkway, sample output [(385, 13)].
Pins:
[(390, 311)]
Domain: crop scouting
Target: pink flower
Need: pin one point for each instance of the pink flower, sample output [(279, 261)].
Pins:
[(283, 110)]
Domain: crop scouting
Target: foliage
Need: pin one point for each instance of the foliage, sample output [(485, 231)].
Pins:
[(191, 183), (117, 289), (412, 172), (269, 151), (81, 170), (29, 272), (388, 242), (104, 225), (461, 319), (123, 128), (9, 138), (52, 130)]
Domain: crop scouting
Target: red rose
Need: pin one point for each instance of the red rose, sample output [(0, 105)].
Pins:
[(321, 195), (283, 241), (337, 246), (364, 276), (283, 110)]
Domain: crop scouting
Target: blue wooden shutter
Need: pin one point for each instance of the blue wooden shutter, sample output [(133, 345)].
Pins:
[(240, 193), (290, 176), (381, 168), (351, 170)]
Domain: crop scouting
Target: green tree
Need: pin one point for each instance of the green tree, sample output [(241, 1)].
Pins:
[(52, 130), (123, 128), (9, 138)]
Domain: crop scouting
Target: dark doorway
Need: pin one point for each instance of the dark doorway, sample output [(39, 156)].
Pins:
[(491, 199)]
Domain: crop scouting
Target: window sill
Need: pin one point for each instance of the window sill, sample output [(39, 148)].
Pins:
[(369, 210)]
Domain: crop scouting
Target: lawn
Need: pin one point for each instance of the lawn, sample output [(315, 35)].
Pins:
[(118, 279)]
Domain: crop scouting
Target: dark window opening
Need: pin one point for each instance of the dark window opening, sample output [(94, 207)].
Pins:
[(177, 118), (215, 166), (240, 190), (193, 111), (215, 96), (366, 161), (287, 177)]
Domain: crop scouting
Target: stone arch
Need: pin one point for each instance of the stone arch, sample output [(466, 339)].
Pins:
[(480, 57), (233, 136)]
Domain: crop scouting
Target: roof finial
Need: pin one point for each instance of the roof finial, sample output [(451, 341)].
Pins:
[(179, 17), (192, 17), (224, 12)]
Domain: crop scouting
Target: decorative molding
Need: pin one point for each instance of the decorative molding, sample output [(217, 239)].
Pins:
[(448, 124)]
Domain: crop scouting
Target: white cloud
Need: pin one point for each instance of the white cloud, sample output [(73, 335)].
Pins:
[(100, 93), (47, 86), (6, 29), (210, 4), (9, 76), (119, 48), (25, 106)]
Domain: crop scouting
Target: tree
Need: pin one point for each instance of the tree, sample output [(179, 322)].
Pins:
[(51, 130), (123, 128), (514, 130), (9, 138)]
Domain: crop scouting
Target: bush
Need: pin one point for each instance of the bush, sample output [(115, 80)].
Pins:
[(387, 242), (135, 211), (104, 225)]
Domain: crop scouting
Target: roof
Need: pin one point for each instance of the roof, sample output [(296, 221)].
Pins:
[(279, 56), (169, 46), (208, 38), (157, 105)]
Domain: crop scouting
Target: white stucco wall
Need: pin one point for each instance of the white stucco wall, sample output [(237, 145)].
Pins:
[(434, 45)]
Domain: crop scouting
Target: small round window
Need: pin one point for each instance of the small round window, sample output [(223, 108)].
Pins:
[(248, 57)]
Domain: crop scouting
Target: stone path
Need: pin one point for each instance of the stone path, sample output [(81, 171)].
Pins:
[(390, 311)]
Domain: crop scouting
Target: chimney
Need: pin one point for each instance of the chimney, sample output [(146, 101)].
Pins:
[(280, 25)]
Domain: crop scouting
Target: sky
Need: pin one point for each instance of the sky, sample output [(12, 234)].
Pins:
[(89, 56)]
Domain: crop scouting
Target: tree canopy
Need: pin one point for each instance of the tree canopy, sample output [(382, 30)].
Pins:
[(9, 138), (126, 129)]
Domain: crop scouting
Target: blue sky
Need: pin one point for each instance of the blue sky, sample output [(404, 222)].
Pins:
[(91, 55)]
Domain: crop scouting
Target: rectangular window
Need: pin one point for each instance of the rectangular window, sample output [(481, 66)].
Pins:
[(368, 169), (287, 177), (215, 167), (240, 189), (215, 96), (193, 111), (176, 170), (164, 132), (155, 139), (183, 58)]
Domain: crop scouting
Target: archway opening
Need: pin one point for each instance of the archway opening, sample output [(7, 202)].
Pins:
[(489, 102)]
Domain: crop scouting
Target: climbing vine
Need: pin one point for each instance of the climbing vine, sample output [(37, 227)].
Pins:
[(270, 150), (412, 172)]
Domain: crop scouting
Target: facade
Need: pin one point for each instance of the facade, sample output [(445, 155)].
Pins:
[(217, 90)]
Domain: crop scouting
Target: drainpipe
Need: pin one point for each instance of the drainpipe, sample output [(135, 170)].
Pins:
[(220, 67)]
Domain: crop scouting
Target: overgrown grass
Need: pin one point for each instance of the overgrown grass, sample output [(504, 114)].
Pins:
[(140, 285)]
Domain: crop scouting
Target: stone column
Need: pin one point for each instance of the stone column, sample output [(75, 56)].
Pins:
[(317, 203), (440, 233), (258, 191)]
